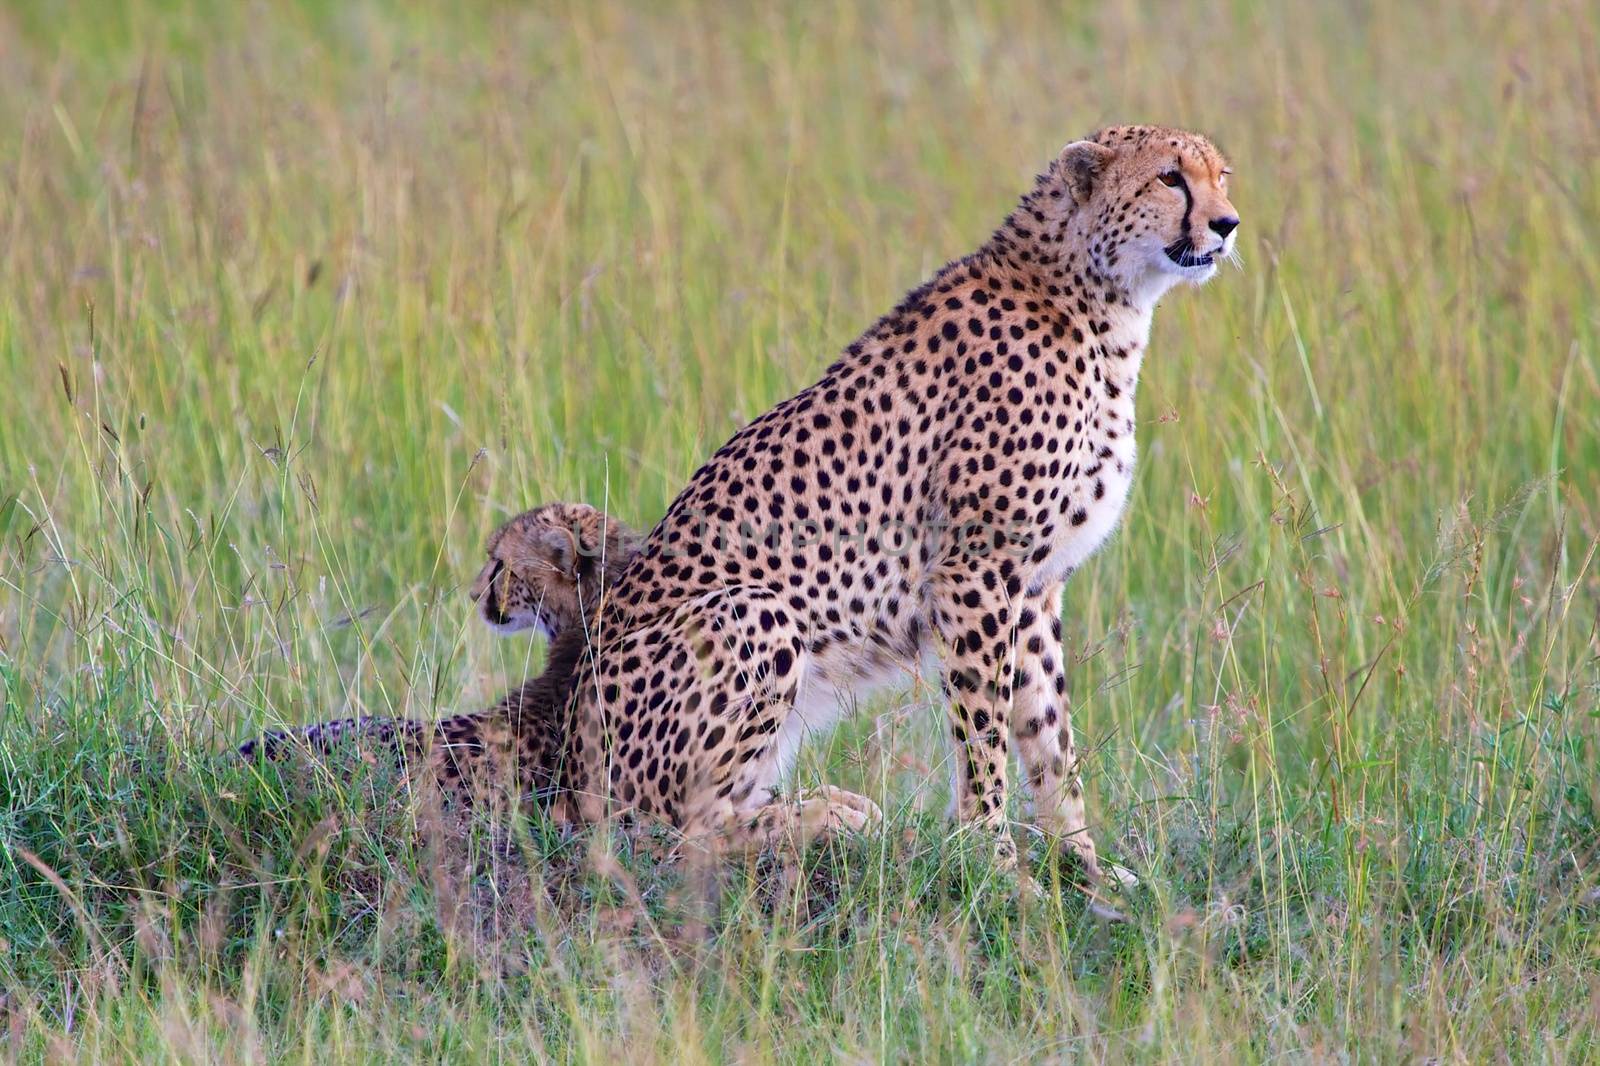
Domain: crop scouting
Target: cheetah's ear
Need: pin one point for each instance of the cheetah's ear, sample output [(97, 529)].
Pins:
[(564, 547), (1081, 163), (550, 547)]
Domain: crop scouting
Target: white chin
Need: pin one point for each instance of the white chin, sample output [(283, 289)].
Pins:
[(516, 625), (1162, 273)]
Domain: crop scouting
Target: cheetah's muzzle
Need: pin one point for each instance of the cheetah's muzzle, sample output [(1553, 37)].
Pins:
[(493, 612), (1181, 252)]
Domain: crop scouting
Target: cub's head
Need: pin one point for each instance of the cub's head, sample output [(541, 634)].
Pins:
[(1150, 203), (548, 566)]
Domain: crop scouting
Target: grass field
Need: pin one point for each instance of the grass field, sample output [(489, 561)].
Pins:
[(298, 301)]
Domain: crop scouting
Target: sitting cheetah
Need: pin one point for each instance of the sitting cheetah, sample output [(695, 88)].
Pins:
[(924, 501), (547, 570)]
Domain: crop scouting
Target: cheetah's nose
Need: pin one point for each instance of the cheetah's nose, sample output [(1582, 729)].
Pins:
[(1224, 226)]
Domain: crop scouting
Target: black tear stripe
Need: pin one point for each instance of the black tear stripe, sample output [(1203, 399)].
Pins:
[(1188, 198)]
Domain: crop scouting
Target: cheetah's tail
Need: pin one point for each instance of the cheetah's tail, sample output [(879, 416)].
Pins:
[(399, 733)]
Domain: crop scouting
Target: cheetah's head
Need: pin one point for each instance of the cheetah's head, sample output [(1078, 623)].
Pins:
[(547, 567), (1151, 204)]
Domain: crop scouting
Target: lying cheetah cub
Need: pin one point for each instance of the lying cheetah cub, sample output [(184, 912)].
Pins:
[(547, 570)]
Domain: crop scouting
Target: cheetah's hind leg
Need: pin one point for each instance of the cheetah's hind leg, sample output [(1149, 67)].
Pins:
[(793, 824)]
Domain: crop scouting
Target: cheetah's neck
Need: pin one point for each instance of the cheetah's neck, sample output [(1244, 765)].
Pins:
[(1068, 257), (1117, 326)]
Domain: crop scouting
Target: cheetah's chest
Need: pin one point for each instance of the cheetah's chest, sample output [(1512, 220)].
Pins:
[(1094, 492)]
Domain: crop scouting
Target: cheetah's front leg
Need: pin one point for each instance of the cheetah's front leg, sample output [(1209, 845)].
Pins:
[(1042, 727), (977, 653)]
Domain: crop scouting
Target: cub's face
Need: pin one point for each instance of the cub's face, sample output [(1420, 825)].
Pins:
[(548, 566), (1154, 203)]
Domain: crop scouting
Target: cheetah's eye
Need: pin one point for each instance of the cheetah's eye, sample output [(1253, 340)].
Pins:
[(1172, 179)]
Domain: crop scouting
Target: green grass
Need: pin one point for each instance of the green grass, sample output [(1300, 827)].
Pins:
[(297, 302)]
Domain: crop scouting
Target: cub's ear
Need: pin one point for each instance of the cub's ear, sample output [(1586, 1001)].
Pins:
[(548, 547), (1081, 163)]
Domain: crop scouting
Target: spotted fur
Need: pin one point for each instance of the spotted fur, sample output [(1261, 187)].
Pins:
[(956, 463)]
